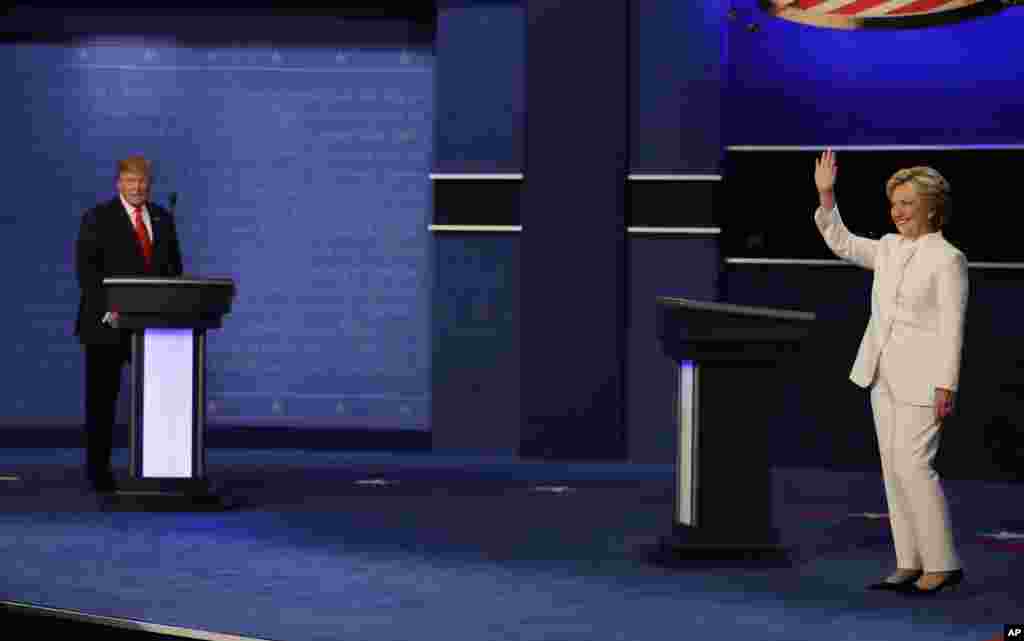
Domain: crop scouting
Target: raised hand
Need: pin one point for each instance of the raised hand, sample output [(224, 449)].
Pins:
[(825, 171)]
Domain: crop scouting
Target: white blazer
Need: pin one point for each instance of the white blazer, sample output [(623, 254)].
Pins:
[(918, 305)]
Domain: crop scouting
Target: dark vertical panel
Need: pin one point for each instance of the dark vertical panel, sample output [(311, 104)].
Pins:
[(480, 51), (475, 390), (682, 267), (675, 86), (573, 244), (674, 127), (480, 111)]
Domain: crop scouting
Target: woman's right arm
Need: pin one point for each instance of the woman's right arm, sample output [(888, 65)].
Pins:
[(847, 246)]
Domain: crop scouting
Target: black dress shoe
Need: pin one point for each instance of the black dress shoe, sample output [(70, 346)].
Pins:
[(951, 581), (900, 585)]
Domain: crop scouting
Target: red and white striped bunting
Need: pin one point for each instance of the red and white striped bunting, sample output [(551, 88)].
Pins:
[(854, 14), (878, 8)]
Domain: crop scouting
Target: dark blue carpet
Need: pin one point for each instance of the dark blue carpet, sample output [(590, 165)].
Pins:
[(375, 547)]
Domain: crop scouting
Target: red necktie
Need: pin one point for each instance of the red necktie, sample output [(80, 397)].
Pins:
[(140, 232)]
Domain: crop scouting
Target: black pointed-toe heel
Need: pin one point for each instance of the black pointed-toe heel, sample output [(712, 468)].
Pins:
[(951, 582), (896, 585)]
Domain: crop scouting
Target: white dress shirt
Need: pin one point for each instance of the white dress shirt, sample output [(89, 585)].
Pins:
[(130, 211)]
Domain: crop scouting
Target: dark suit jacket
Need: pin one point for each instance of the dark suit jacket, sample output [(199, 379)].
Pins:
[(107, 247)]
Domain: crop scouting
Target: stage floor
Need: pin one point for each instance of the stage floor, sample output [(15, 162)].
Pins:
[(375, 546)]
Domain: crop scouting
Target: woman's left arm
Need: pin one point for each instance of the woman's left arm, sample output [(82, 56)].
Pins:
[(951, 294)]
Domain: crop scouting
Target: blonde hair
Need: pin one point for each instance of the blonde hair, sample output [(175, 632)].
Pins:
[(930, 186), (133, 165)]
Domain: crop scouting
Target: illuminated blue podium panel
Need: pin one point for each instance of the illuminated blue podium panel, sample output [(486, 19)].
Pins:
[(167, 403), (169, 319), (726, 358)]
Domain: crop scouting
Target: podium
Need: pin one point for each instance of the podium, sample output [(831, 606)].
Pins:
[(169, 318), (726, 388)]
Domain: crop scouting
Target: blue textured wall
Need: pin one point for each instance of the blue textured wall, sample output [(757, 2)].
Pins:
[(300, 170)]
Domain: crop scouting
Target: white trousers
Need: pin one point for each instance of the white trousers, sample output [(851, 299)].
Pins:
[(908, 438)]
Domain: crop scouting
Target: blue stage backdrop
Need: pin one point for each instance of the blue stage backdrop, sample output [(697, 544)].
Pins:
[(301, 172), (946, 79)]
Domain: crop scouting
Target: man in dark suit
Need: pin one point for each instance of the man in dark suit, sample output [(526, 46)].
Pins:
[(125, 236)]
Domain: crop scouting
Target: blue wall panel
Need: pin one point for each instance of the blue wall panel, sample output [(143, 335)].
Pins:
[(681, 267), (480, 87), (574, 246), (476, 370), (675, 86)]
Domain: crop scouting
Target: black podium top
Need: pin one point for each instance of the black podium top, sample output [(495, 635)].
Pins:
[(708, 332), (182, 302)]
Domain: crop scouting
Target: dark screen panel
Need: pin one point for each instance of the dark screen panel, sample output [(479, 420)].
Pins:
[(768, 200), (672, 203)]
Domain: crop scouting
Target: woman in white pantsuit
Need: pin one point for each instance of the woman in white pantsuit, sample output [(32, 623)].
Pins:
[(910, 358)]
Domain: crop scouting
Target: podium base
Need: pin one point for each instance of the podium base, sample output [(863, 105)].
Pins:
[(163, 502), (692, 545), (164, 495)]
